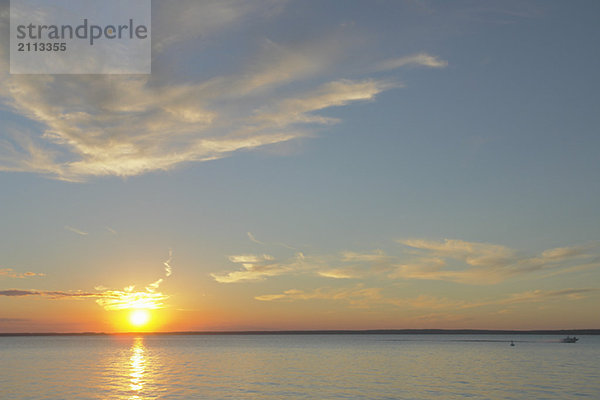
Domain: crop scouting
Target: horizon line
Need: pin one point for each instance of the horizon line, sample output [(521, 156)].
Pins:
[(592, 331)]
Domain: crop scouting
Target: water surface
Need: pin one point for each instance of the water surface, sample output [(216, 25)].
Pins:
[(299, 367)]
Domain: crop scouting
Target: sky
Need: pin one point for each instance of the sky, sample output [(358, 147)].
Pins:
[(312, 165)]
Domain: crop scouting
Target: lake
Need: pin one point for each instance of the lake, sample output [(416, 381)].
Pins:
[(299, 367)]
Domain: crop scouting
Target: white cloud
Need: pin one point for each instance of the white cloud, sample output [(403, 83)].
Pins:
[(85, 126), (75, 230), (253, 238), (259, 267), (415, 60), (167, 264), (339, 273)]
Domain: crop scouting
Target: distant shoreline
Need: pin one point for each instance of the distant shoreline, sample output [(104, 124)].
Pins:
[(330, 332)]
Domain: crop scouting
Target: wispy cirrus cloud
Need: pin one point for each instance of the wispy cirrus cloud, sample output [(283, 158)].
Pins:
[(128, 298), (85, 126), (75, 230), (535, 296), (187, 20), (357, 295), (109, 299), (259, 267), (341, 273), (483, 263), (125, 299), (10, 273), (253, 238), (167, 264), (363, 296), (366, 297), (450, 260), (414, 60)]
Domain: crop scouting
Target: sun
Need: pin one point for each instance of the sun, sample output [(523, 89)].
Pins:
[(139, 318)]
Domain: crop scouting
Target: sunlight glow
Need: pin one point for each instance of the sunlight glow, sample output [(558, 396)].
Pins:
[(127, 299), (139, 317)]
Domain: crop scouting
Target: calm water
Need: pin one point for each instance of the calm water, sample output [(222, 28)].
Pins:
[(299, 367)]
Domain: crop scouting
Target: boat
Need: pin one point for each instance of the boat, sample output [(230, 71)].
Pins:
[(569, 339)]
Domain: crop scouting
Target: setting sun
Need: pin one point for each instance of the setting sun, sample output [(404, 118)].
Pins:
[(139, 317)]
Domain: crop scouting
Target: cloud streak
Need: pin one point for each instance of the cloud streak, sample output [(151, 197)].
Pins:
[(358, 295), (450, 260), (259, 267), (109, 299), (75, 230), (483, 263), (87, 126), (125, 299), (10, 273), (415, 60), (168, 268), (366, 297)]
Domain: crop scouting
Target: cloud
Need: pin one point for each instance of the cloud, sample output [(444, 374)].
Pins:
[(367, 297), (357, 295), (483, 263), (10, 273), (257, 267), (92, 135), (254, 239), (339, 273), (109, 299), (546, 295), (52, 294), (374, 256), (168, 269), (415, 60), (448, 260), (187, 20), (128, 298), (83, 126), (474, 254), (75, 230), (18, 292), (333, 94)]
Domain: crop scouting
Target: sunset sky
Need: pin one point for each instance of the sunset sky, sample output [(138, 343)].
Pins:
[(312, 165)]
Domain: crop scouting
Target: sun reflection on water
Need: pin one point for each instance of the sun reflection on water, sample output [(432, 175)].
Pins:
[(138, 365)]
